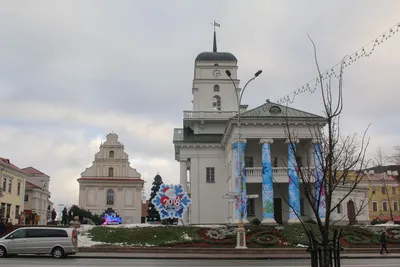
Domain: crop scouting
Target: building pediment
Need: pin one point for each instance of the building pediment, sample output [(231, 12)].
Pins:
[(273, 110)]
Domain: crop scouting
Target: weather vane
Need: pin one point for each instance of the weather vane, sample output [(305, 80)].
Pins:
[(215, 24)]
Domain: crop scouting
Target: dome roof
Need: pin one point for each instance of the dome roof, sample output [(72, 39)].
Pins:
[(216, 56)]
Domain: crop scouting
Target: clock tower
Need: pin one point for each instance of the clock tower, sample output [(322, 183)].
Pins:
[(212, 88)]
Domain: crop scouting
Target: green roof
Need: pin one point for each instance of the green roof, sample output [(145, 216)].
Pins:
[(186, 135), (274, 110)]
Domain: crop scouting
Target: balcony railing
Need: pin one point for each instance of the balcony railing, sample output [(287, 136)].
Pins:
[(279, 174), (208, 114)]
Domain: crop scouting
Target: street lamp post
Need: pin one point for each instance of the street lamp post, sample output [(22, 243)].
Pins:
[(241, 232)]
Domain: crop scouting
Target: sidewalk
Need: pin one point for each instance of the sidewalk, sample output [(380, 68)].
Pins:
[(198, 256)]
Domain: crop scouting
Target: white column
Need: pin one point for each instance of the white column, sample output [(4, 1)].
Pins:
[(183, 182)]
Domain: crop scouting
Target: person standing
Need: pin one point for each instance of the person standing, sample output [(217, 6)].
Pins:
[(383, 240)]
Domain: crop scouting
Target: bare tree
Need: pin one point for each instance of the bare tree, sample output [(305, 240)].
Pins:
[(337, 169), (395, 157), (379, 163)]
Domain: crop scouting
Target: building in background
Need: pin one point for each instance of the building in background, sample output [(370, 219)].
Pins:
[(384, 196), (37, 195), (111, 185), (12, 190)]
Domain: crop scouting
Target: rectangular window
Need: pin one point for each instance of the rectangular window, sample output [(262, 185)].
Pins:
[(248, 162), (210, 175), (374, 206), (275, 162), (339, 208), (26, 198), (19, 189), (302, 207), (250, 207), (384, 206), (9, 186), (8, 211), (383, 190), (394, 190), (4, 184), (3, 210), (395, 206), (299, 161), (16, 212)]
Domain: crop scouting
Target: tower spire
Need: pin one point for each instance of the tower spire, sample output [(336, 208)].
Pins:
[(215, 36)]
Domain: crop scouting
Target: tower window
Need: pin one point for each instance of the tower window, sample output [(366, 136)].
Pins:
[(110, 172), (111, 154), (216, 88), (217, 102)]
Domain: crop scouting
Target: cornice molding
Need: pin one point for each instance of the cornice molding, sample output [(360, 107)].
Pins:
[(199, 145)]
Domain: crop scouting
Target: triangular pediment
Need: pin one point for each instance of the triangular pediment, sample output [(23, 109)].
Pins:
[(273, 110)]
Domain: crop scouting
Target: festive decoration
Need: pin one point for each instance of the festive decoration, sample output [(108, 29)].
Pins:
[(294, 185), (111, 218), (171, 201), (267, 182), (241, 203), (153, 214), (220, 233), (334, 72)]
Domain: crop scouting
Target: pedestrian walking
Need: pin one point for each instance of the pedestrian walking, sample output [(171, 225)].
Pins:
[(383, 240)]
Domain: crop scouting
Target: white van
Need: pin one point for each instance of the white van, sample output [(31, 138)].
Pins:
[(59, 242)]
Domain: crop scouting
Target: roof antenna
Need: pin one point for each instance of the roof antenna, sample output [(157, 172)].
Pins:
[(215, 35)]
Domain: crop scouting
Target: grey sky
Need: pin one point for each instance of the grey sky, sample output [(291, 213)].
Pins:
[(73, 71)]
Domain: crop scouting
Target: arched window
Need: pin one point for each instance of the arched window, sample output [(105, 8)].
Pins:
[(216, 102), (110, 172), (111, 154), (216, 88), (110, 197)]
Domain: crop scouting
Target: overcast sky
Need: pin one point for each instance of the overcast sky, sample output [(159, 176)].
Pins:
[(73, 71)]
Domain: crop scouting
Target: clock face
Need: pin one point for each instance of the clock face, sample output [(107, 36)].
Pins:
[(216, 73)]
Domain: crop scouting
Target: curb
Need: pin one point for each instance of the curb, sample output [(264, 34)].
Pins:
[(222, 251), (224, 258)]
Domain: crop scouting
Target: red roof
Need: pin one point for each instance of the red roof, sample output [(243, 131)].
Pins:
[(29, 185), (32, 170), (8, 163)]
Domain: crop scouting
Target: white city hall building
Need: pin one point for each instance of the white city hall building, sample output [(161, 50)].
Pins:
[(206, 147), (111, 184)]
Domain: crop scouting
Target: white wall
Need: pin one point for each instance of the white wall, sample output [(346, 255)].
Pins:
[(207, 203), (127, 199)]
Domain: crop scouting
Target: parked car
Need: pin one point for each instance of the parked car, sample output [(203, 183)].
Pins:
[(58, 242)]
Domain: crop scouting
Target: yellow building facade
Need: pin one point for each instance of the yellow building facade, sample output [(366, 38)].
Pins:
[(12, 190), (384, 197), (383, 194)]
